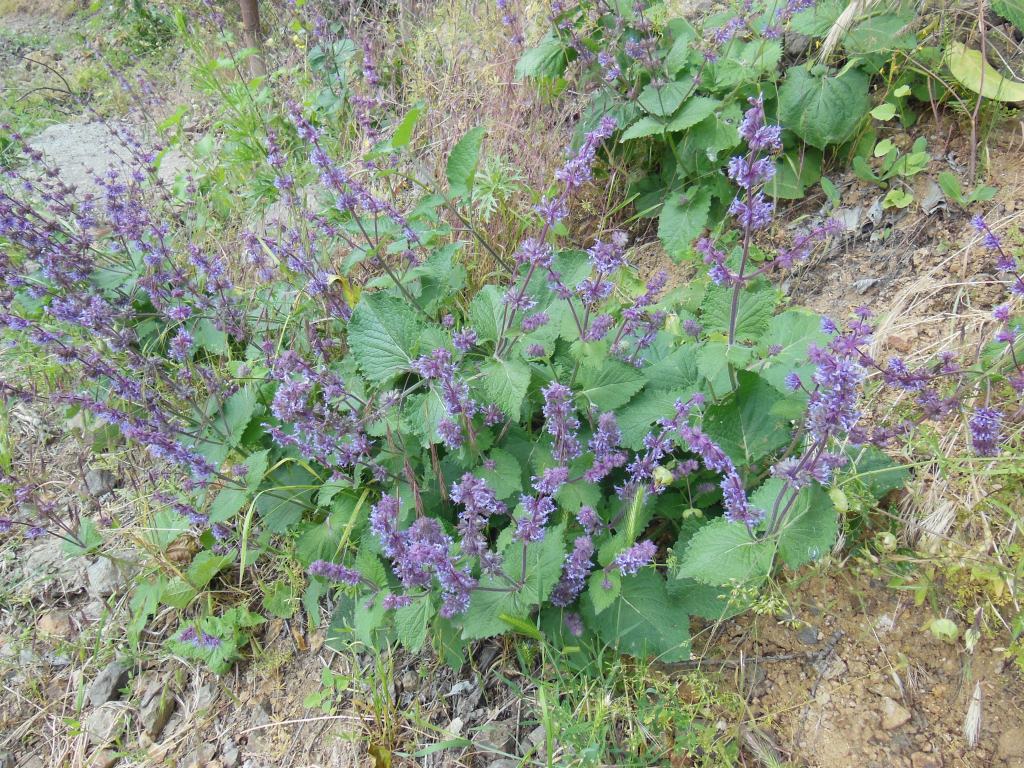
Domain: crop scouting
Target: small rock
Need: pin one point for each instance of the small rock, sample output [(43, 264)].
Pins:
[(893, 714), (206, 695), (55, 623), (849, 218), (107, 685), (106, 577), (865, 284), (230, 755), (105, 724), (99, 482), (537, 737), (497, 736), (199, 757), (808, 636), (1011, 744), (455, 726), (7, 759), (923, 760), (155, 710), (103, 758)]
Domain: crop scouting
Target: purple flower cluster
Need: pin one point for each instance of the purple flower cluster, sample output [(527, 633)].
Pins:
[(574, 572), (560, 421), (479, 505), (334, 572)]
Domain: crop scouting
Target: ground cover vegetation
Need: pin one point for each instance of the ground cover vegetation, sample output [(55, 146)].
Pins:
[(430, 395)]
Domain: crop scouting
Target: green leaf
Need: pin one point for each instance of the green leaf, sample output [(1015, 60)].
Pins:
[(610, 385), (286, 496), (522, 626), (382, 335), (882, 33), (227, 504), (645, 409), (543, 569), (411, 623), (506, 383), (682, 49), (756, 305), (884, 111), (721, 553), (745, 63), (205, 566), (506, 479), (663, 100), (1011, 10), (486, 312), (463, 162), (683, 218), (794, 172), (644, 620), (280, 600), (167, 526), (231, 423), (210, 338), (745, 426), (89, 539), (547, 59), (795, 330), (810, 527), (818, 20), (823, 110), (601, 597), (403, 133), (978, 76), (645, 126), (879, 473), (694, 111)]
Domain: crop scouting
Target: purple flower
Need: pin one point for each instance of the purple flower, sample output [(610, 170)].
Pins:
[(574, 624), (605, 444), (560, 421), (531, 525), (748, 174), (479, 504), (535, 350), (550, 481), (633, 559), (450, 433), (692, 328), (590, 520), (464, 340), (532, 322), (180, 345), (985, 427), (759, 137), (757, 214), (599, 328), (334, 572), (574, 572), (606, 257)]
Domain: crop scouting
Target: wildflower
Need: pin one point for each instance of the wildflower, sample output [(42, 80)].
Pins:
[(633, 559), (479, 504), (574, 624), (560, 421), (985, 428), (574, 572), (334, 572)]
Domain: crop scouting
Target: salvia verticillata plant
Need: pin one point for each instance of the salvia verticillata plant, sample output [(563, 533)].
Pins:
[(571, 450)]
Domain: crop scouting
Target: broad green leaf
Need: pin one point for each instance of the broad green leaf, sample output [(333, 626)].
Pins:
[(675, 371), (286, 496), (794, 331), (823, 109), (486, 312), (636, 418), (745, 63), (662, 101), (722, 553), (543, 569), (167, 526), (645, 126), (403, 133), (879, 473), (610, 385), (547, 59), (794, 172), (463, 161), (602, 596), (881, 33), (818, 20), (280, 600), (705, 600), (1011, 10), (644, 620), (754, 311), (745, 426), (977, 75), (810, 526), (884, 111), (382, 335), (680, 53), (693, 111), (227, 504), (506, 383), (411, 623), (683, 218), (205, 566), (89, 539), (506, 479)]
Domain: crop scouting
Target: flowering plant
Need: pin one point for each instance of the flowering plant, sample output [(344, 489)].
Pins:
[(571, 450)]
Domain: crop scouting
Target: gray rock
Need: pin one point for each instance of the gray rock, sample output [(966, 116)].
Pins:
[(157, 706), (865, 284), (205, 697), (893, 714), (99, 482), (105, 724), (230, 756), (107, 577), (808, 636), (107, 685), (103, 758), (199, 757), (498, 736), (47, 565)]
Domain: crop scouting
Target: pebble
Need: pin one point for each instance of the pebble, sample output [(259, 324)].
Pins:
[(99, 482), (497, 736), (103, 758), (104, 725), (1011, 744), (107, 685), (55, 623), (199, 757), (808, 636), (106, 577), (924, 760), (893, 714), (157, 706)]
